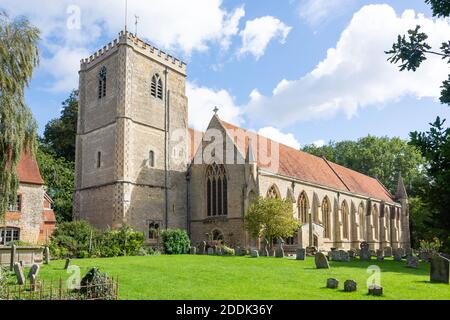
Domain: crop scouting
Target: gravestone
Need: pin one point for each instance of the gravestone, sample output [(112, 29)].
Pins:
[(352, 254), (344, 256), (34, 271), (350, 286), (439, 271), (365, 253), (380, 255), (193, 250), (33, 286), (412, 262), (388, 252), (210, 251), (279, 251), (321, 261), (398, 255), (238, 251), (219, 251), (66, 266), (301, 253), (46, 255), (311, 251), (265, 248), (334, 255), (203, 248), (375, 290), (13, 257), (19, 274), (254, 254), (332, 283)]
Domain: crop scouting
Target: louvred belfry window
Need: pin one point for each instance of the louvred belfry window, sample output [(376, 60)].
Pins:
[(156, 87), (216, 191), (102, 83)]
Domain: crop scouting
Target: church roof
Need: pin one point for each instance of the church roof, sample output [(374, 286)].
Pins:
[(28, 170), (309, 168)]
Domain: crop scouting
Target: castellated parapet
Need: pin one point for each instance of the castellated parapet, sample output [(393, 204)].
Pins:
[(127, 38)]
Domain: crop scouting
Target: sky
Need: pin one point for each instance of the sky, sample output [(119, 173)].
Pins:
[(297, 71)]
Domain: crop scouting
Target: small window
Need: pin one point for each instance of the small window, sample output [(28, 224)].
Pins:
[(151, 159), (156, 87), (7, 235), (153, 230), (17, 205), (99, 159), (102, 83)]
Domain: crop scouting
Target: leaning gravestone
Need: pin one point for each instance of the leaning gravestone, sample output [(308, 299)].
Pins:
[(344, 256), (265, 248), (332, 283), (46, 255), (66, 266), (412, 262), (439, 271), (254, 254), (301, 253), (388, 252), (350, 286), (321, 261), (34, 271), (380, 255), (19, 274), (279, 251)]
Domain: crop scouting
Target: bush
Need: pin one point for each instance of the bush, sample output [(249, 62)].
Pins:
[(97, 285), (430, 247), (175, 241), (19, 244), (121, 242)]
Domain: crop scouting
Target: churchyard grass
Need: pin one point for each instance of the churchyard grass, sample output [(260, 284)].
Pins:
[(200, 277)]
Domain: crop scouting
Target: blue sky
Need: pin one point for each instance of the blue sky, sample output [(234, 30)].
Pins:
[(299, 71)]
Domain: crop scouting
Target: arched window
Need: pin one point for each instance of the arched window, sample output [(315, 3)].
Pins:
[(361, 221), (102, 83), (217, 235), (217, 191), (151, 158), (345, 220), (387, 226), (376, 221), (273, 193), (326, 214), (156, 87), (303, 208)]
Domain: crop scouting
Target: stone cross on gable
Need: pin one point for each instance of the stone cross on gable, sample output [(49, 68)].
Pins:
[(216, 109)]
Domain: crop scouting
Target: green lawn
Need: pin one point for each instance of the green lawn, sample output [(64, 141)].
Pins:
[(243, 278)]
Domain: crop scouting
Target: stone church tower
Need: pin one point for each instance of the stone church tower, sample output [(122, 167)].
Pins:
[(131, 154)]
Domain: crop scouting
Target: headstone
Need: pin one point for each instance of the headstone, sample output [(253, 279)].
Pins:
[(13, 257), (334, 255), (210, 251), (332, 283), (265, 248), (388, 252), (321, 261), (380, 255), (21, 263), (365, 253), (33, 286), (412, 262), (279, 252), (375, 290), (311, 251), (301, 253), (352, 254), (193, 250), (34, 271), (344, 256), (203, 248), (350, 286), (398, 255), (66, 266), (19, 274), (254, 254), (439, 271), (238, 251), (46, 255)]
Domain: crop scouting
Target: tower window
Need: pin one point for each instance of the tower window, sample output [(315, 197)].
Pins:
[(102, 83), (151, 158), (99, 159), (156, 87)]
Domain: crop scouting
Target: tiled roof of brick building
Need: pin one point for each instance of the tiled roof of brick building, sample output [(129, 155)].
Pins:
[(28, 170), (309, 168)]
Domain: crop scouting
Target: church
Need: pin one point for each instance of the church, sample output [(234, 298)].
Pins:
[(139, 164)]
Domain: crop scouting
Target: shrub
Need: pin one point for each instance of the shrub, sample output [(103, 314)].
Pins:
[(175, 241), (121, 242), (19, 243), (97, 285), (430, 247)]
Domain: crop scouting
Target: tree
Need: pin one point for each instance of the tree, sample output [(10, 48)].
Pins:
[(58, 174), (19, 55), (270, 219), (382, 158), (60, 134)]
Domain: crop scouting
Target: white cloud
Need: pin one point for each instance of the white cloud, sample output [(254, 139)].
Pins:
[(319, 143), (202, 101), (174, 25), (316, 12), (355, 73), (278, 136), (258, 33)]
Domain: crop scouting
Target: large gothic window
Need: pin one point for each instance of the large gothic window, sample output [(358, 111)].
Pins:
[(273, 193), (345, 220), (361, 221), (217, 191), (326, 214), (376, 221), (303, 208), (156, 87), (102, 83)]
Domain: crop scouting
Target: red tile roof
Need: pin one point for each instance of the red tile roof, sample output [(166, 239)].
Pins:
[(309, 168), (28, 170)]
